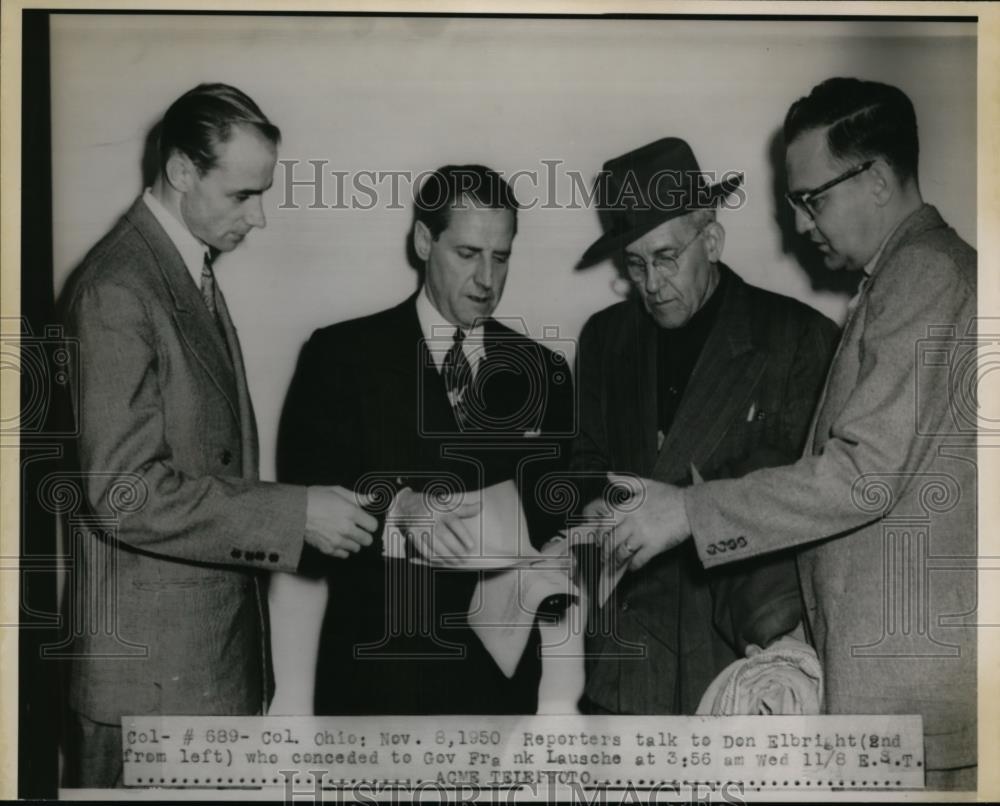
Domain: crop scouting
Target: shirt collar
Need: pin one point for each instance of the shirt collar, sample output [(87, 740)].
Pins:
[(869, 267), (439, 334), (191, 249)]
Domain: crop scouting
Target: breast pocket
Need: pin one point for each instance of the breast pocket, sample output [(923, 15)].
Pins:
[(746, 446)]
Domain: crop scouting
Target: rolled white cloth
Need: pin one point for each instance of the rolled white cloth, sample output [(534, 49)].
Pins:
[(785, 678)]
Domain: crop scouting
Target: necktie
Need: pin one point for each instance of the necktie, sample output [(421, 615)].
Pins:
[(208, 294), (853, 302), (457, 377), (208, 287)]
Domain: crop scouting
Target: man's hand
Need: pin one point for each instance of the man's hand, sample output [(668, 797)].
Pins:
[(439, 537), (336, 524), (652, 520)]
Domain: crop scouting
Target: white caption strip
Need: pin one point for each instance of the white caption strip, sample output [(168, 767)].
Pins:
[(537, 753)]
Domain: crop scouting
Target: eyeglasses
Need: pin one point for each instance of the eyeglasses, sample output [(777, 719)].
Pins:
[(802, 200), (669, 266)]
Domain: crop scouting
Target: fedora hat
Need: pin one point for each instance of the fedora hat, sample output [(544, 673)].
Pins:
[(642, 189)]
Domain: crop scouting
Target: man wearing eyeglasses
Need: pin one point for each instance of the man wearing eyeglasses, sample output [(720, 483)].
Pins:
[(884, 498), (697, 369)]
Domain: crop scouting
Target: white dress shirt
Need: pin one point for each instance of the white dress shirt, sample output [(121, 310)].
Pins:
[(192, 250), (439, 334)]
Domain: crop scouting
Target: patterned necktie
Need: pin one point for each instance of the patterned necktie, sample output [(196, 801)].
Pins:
[(457, 374), (208, 287), (208, 295)]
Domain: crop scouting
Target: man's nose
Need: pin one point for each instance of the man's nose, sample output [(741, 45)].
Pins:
[(653, 280), (255, 214), (484, 271), (803, 222)]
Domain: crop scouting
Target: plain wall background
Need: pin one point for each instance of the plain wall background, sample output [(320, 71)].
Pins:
[(396, 94)]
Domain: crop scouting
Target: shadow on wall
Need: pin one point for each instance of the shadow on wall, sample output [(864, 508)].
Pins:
[(150, 165), (820, 278), (411, 253), (151, 156)]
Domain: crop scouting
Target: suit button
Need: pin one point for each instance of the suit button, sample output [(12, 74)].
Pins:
[(236, 554), (260, 555), (226, 457), (624, 606), (273, 557)]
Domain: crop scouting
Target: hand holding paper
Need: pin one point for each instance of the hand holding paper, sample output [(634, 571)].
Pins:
[(485, 530), (336, 522), (438, 534), (650, 521)]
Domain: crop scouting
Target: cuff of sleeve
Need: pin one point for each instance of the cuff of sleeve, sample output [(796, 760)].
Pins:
[(709, 530), (272, 537), (294, 540), (696, 508)]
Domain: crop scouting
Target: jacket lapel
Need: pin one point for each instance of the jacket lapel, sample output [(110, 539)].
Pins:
[(505, 390), (719, 389), (923, 219), (642, 432), (248, 420), (629, 364), (406, 357), (193, 319)]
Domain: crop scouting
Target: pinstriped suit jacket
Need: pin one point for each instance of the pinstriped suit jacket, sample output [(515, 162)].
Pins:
[(671, 627)]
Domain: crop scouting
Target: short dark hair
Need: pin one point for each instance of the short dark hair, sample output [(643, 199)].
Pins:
[(866, 119), (443, 188), (203, 118)]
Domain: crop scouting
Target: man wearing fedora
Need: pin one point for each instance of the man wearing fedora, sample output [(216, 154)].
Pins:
[(696, 374), (884, 496)]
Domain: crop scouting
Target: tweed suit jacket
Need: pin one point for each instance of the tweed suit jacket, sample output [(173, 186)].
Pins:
[(669, 628), (367, 406), (168, 454), (886, 490)]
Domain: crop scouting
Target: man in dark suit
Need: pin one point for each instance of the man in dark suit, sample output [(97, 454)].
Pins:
[(887, 479), (168, 450), (697, 373), (443, 397)]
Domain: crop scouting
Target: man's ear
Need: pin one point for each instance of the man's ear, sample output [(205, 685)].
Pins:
[(882, 180), (715, 241), (422, 240), (179, 171)]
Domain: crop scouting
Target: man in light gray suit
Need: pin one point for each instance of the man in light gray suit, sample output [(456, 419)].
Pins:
[(887, 483), (168, 449)]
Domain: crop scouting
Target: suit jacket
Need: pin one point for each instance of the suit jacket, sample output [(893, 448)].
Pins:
[(886, 490), (367, 407), (668, 629), (180, 526)]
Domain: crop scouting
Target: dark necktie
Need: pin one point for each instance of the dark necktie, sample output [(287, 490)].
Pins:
[(457, 377)]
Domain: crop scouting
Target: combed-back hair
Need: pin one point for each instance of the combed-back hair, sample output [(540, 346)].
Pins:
[(863, 120), (450, 184), (203, 118)]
